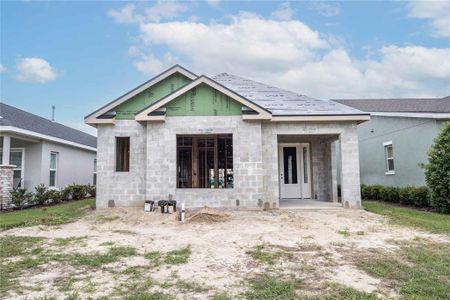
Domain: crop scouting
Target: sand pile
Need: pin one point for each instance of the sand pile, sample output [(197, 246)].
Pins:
[(208, 215)]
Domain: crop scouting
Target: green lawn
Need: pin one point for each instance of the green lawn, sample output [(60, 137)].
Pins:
[(52, 215), (430, 221)]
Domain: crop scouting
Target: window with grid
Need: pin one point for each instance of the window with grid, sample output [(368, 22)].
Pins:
[(389, 153), (53, 169)]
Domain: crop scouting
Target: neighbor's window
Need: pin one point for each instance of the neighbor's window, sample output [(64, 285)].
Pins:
[(94, 179), (205, 161), (389, 154), (122, 154), (53, 168), (16, 157)]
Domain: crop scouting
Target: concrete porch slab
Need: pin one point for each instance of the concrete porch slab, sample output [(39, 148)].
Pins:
[(308, 204)]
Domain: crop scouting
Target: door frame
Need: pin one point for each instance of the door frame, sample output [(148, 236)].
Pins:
[(298, 145)]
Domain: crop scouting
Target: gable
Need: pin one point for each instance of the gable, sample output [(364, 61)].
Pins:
[(128, 109), (203, 100)]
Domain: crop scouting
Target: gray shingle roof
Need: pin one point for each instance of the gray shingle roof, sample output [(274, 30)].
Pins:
[(411, 105), (12, 116), (281, 102)]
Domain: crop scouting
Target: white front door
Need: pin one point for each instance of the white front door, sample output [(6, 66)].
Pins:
[(295, 177)]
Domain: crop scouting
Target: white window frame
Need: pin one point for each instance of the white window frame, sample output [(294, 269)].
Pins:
[(22, 169), (55, 169), (387, 158)]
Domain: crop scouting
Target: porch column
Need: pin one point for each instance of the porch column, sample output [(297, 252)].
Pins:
[(6, 149), (350, 182), (6, 185)]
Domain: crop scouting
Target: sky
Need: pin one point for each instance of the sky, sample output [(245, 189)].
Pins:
[(80, 55)]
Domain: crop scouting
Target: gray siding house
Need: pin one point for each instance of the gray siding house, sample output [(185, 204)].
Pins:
[(395, 141), (224, 141), (34, 150)]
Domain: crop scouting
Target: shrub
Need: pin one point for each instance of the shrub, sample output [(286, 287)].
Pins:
[(405, 195), (78, 191), (41, 194), (55, 196), (420, 196), (390, 194), (66, 193), (91, 190), (437, 171), (410, 195), (21, 197)]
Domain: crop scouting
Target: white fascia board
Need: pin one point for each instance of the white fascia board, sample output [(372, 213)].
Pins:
[(45, 137), (387, 143), (320, 118), (262, 114), (413, 115), (92, 119)]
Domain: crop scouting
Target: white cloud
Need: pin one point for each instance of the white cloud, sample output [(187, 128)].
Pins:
[(162, 10), (2, 68), (35, 69), (291, 55), (438, 12), (284, 12), (214, 3), (326, 9)]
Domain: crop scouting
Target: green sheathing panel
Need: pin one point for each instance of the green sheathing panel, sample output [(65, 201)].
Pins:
[(203, 100), (128, 109)]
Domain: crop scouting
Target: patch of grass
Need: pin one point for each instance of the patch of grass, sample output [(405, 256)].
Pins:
[(9, 271), (177, 257), (11, 245), (344, 232), (268, 288), (62, 242), (418, 270), (221, 296), (149, 296), (261, 254), (190, 286), (98, 259), (52, 215), (65, 283), (430, 221), (154, 257), (338, 291), (360, 232), (110, 243)]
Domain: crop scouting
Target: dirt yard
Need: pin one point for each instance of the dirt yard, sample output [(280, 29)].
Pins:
[(120, 253)]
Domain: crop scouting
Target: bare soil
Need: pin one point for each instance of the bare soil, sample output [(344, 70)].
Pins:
[(315, 246)]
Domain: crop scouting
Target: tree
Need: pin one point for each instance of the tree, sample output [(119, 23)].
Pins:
[(437, 171)]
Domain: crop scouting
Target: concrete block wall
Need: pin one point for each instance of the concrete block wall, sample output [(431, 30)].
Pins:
[(247, 161), (321, 164), (125, 188), (152, 173)]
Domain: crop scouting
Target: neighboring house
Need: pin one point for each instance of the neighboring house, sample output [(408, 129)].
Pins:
[(226, 141), (394, 143), (36, 150)]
